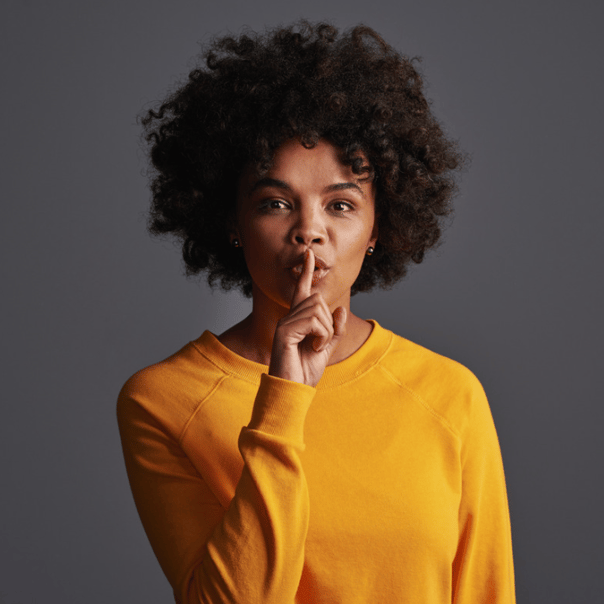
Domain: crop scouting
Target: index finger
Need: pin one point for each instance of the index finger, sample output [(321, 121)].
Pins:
[(304, 284)]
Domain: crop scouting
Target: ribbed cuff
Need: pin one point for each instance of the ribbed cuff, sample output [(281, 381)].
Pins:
[(280, 407)]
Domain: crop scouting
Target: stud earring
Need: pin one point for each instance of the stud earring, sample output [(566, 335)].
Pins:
[(370, 251), (236, 243)]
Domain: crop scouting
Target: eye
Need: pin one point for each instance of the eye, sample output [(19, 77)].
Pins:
[(341, 207), (273, 205)]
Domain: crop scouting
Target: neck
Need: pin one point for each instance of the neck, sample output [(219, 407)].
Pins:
[(258, 328), (252, 338)]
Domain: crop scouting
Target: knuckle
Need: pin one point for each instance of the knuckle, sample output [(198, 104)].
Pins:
[(318, 324)]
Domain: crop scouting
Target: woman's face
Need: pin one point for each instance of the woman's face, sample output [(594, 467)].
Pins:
[(308, 199)]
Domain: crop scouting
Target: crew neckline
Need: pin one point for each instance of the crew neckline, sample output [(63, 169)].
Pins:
[(361, 361)]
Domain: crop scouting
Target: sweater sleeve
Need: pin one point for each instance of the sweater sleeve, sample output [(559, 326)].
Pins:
[(253, 551), (483, 567)]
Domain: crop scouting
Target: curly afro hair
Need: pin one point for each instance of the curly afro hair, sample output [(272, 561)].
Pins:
[(253, 93)]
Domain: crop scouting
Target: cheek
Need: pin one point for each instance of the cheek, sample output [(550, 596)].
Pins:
[(259, 249), (359, 249), (259, 230), (356, 242), (352, 255)]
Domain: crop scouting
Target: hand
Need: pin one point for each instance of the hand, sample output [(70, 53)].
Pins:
[(307, 336)]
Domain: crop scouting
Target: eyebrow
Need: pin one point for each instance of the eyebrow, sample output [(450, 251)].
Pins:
[(281, 184)]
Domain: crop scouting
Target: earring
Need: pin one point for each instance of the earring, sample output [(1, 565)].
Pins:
[(236, 243), (370, 251)]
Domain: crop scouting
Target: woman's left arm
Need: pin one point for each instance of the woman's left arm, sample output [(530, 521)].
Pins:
[(483, 568)]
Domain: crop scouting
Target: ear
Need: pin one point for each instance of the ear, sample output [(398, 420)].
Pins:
[(374, 232), (234, 235), (233, 230)]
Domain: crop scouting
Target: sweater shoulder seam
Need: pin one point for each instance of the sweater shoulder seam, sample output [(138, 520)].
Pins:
[(199, 405), (421, 401), (224, 370)]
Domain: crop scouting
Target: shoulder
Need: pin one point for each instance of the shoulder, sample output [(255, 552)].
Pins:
[(444, 386), (171, 390)]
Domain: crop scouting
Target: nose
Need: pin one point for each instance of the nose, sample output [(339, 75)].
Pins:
[(308, 228)]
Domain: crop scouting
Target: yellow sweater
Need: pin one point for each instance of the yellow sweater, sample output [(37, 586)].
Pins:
[(382, 485)]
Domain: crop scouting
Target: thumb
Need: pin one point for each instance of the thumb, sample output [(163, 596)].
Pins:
[(339, 327)]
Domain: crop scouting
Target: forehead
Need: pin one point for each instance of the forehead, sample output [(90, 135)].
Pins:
[(294, 157), (306, 169)]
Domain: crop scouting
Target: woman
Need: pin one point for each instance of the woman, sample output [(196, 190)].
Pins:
[(305, 454)]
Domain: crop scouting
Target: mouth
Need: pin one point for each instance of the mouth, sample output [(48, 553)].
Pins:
[(320, 270), (318, 274), (299, 262)]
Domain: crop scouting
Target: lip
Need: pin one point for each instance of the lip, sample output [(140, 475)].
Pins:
[(321, 269), (318, 274), (319, 262)]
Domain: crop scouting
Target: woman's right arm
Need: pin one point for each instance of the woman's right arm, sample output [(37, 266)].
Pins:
[(253, 551)]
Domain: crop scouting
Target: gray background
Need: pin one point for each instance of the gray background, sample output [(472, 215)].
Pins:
[(515, 291)]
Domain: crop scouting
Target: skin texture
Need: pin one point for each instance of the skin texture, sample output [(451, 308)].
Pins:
[(308, 209)]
